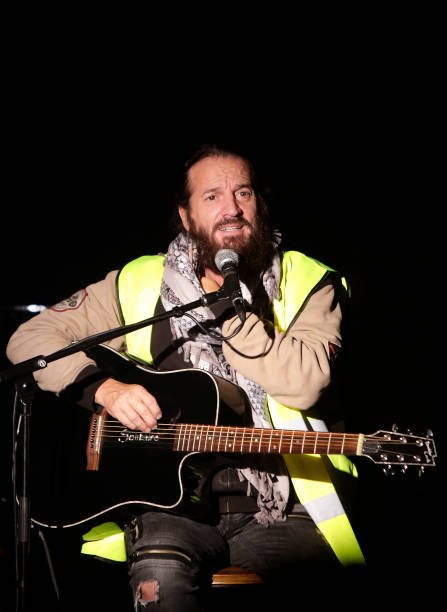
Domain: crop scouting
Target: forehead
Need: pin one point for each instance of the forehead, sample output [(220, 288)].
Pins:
[(217, 171)]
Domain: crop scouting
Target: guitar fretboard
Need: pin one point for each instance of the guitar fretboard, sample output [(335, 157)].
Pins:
[(210, 438)]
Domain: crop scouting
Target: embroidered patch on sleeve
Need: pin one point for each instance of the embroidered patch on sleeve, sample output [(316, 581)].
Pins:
[(333, 351), (71, 303)]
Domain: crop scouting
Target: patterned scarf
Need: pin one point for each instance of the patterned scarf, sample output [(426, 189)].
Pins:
[(181, 285)]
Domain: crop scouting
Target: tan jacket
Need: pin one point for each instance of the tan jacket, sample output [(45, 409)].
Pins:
[(294, 371)]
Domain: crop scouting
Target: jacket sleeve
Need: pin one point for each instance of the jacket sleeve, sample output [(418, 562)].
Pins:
[(294, 367), (88, 311)]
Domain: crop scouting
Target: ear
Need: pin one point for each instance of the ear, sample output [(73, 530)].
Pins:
[(184, 217)]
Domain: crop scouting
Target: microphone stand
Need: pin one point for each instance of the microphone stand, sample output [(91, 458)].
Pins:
[(21, 375)]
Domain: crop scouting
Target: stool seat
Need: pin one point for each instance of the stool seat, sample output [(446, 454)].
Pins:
[(234, 575)]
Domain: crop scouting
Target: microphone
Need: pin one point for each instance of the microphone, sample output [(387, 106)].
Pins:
[(226, 261)]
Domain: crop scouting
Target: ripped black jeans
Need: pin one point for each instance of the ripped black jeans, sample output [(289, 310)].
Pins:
[(172, 558)]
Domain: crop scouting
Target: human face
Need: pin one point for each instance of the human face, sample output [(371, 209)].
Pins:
[(222, 204)]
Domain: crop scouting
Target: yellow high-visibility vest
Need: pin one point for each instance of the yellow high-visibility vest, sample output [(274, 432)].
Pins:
[(139, 289)]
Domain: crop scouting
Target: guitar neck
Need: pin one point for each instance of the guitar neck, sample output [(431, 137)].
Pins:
[(210, 438)]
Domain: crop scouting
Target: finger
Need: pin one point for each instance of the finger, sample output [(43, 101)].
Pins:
[(145, 417), (135, 423), (147, 403)]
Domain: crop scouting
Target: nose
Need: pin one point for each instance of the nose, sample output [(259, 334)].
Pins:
[(231, 206)]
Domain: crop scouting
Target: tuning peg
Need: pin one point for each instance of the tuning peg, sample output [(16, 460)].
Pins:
[(395, 428), (388, 470)]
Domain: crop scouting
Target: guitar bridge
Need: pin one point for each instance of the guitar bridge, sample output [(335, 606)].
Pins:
[(94, 440)]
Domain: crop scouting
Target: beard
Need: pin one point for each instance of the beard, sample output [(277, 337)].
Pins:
[(255, 251)]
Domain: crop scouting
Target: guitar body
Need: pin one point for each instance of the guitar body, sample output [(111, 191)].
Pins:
[(134, 471)]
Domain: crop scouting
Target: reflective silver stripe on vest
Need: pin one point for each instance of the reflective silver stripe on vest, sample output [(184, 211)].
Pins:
[(300, 424), (325, 508), (296, 423), (318, 425)]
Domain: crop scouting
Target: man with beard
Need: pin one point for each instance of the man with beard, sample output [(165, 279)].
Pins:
[(277, 514)]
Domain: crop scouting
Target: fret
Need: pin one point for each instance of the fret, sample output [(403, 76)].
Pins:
[(219, 441), (242, 439), (188, 445), (200, 439), (226, 441), (280, 440), (261, 431), (270, 441), (259, 439), (193, 438), (328, 442), (212, 439), (251, 440)]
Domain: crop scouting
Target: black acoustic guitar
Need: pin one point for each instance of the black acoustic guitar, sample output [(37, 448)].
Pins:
[(205, 425)]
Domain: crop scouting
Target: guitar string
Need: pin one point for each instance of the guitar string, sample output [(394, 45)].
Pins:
[(223, 437), (189, 428)]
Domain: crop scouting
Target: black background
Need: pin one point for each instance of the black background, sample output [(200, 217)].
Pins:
[(355, 184)]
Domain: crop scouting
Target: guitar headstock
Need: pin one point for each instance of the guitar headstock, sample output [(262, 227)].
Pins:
[(397, 451)]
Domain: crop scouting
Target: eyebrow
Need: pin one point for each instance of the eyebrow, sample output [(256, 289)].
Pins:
[(240, 186)]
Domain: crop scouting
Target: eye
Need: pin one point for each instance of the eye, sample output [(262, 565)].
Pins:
[(246, 193), (211, 197)]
